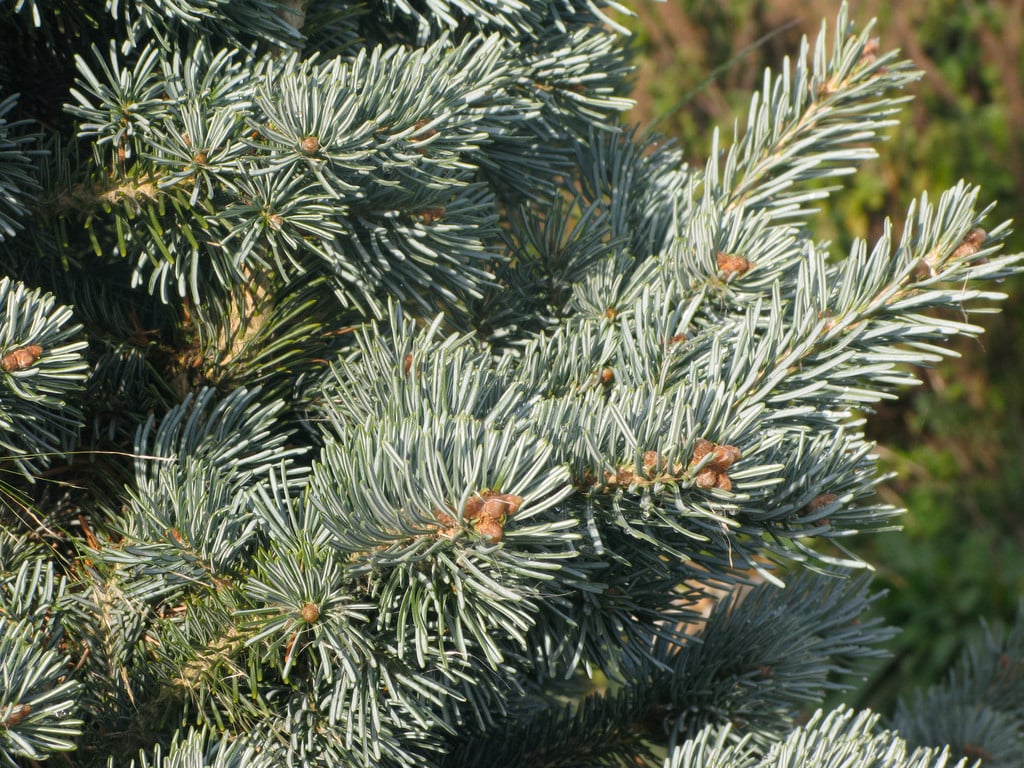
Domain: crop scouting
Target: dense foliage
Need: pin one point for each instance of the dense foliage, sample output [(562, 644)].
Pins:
[(954, 444), (368, 394)]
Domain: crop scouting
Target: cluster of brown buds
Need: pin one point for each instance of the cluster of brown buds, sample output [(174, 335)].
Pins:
[(730, 264), (21, 358), (714, 474), (655, 469), (487, 512), (968, 247), (628, 475)]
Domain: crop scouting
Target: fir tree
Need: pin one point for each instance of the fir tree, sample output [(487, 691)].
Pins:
[(370, 396)]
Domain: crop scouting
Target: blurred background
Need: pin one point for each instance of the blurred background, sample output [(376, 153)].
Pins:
[(957, 441)]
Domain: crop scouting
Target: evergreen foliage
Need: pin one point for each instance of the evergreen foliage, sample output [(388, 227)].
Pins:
[(956, 442), (367, 391), (979, 710)]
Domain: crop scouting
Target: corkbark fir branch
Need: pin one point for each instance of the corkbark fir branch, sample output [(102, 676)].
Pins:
[(352, 536)]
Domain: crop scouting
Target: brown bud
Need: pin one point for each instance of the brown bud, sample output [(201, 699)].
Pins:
[(870, 52), (310, 145), (923, 270), (310, 612), (407, 364), (444, 519), (275, 221), (622, 476), (723, 481), (611, 313), (607, 376), (679, 338), (16, 714), (21, 358), (472, 509), (651, 460), (701, 448), (971, 243), (430, 132), (199, 158), (494, 509), (490, 530), (512, 502), (725, 456), (730, 264), (429, 215), (707, 478), (820, 501)]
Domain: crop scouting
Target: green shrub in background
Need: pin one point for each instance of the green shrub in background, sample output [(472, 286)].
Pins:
[(957, 443)]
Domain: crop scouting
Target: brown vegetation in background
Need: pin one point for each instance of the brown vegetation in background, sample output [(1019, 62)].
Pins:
[(730, 43)]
